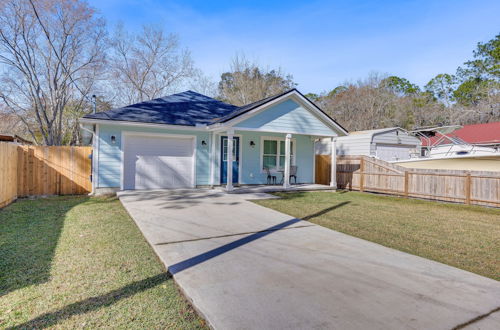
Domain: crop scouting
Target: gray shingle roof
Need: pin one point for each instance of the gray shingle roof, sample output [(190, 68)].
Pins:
[(186, 108)]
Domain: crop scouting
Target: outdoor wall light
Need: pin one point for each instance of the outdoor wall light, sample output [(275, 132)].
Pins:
[(113, 139), (252, 144), (203, 143)]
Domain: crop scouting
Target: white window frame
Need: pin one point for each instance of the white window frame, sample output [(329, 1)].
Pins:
[(278, 139)]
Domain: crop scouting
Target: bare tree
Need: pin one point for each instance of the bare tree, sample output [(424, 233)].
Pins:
[(203, 84), (372, 103), (361, 105), (10, 123), (52, 52), (148, 65), (247, 82)]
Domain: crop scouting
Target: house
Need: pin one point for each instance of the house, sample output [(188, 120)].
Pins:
[(192, 140), (486, 135), (466, 148), (389, 144), (13, 138)]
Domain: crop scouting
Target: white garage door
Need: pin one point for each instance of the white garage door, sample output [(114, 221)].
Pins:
[(151, 162), (392, 152)]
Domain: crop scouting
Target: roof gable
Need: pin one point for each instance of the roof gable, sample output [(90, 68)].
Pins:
[(309, 118), (289, 116)]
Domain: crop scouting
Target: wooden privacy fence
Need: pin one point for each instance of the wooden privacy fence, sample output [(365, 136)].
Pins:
[(8, 173), (369, 174), (41, 170)]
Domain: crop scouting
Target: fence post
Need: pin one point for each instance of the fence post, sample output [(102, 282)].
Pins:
[(362, 174), (407, 177), (468, 183)]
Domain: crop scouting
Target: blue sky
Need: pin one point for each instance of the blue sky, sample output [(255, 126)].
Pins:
[(321, 43)]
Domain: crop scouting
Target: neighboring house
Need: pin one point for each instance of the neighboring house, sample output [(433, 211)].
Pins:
[(389, 144), (487, 135), (184, 140), (13, 138)]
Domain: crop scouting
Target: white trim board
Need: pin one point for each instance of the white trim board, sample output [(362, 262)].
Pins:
[(262, 130), (96, 156), (124, 135), (202, 128)]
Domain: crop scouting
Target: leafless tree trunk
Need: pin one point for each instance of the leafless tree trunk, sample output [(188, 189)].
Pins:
[(52, 52)]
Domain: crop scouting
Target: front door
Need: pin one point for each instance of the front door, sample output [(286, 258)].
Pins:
[(223, 157)]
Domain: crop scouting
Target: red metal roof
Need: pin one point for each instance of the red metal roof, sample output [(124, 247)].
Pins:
[(478, 133)]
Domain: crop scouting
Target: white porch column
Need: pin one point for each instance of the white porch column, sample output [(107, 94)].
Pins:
[(286, 175), (333, 170), (213, 157), (230, 136)]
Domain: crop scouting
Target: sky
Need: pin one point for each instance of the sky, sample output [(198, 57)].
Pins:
[(321, 43)]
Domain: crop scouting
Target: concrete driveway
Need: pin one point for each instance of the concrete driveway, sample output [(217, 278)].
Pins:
[(244, 266)]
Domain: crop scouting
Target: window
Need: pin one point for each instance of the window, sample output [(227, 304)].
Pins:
[(235, 149), (270, 154), (282, 154), (273, 153)]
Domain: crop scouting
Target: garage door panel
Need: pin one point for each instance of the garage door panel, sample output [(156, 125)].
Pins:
[(158, 162)]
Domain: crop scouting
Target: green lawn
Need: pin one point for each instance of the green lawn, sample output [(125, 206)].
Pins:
[(467, 237), (73, 262)]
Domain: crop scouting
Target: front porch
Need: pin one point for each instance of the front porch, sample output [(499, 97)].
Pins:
[(245, 189), (264, 161)]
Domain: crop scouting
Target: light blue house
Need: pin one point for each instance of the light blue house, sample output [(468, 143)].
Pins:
[(191, 140)]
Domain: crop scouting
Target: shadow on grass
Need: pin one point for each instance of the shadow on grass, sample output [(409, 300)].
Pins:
[(29, 232), (93, 303), (324, 211)]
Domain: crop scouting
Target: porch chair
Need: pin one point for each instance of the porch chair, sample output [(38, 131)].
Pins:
[(271, 179), (293, 174)]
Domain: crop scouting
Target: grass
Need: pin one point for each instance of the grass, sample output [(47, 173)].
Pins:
[(466, 237), (80, 262)]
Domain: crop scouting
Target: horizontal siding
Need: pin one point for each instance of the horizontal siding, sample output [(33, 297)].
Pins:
[(287, 116), (362, 144), (393, 138), (354, 145), (109, 156)]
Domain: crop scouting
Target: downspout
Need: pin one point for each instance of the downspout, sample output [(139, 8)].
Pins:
[(92, 155)]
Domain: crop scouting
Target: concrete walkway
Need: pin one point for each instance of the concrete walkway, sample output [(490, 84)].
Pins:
[(244, 266)]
